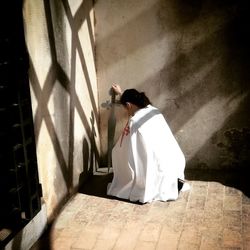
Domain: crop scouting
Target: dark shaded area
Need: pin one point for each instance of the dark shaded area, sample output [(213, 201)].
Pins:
[(11, 30), (224, 51), (97, 185), (20, 191), (238, 179), (111, 128), (230, 144), (44, 242)]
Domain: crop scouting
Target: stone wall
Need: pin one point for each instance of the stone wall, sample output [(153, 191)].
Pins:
[(60, 41), (191, 59)]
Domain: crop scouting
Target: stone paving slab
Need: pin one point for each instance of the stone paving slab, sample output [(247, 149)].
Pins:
[(210, 216)]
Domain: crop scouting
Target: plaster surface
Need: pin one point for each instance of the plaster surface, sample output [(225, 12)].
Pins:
[(191, 59), (60, 40)]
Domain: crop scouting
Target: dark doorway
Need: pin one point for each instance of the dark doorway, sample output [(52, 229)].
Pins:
[(20, 190)]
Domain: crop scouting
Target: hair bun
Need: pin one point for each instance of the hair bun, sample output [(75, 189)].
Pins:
[(135, 97), (141, 94)]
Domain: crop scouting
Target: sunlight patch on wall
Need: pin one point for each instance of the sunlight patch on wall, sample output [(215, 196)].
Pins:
[(59, 101), (49, 169), (206, 121), (59, 98), (37, 32), (86, 45), (34, 102), (187, 84), (74, 7), (141, 65), (82, 90), (204, 27), (122, 12), (63, 38), (79, 134)]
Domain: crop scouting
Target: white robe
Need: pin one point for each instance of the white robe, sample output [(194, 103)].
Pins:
[(148, 161)]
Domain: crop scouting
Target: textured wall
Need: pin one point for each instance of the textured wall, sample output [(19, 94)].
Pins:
[(191, 58), (60, 40)]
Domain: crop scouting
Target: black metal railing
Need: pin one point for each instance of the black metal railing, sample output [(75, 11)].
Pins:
[(20, 191)]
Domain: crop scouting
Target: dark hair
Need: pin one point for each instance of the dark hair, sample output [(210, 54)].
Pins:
[(135, 97)]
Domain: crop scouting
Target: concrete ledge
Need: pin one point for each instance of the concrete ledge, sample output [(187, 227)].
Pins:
[(30, 233)]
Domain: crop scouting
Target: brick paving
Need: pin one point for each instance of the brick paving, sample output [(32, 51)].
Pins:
[(210, 216)]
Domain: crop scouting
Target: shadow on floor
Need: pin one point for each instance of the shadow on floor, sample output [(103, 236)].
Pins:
[(44, 242), (96, 185), (235, 179)]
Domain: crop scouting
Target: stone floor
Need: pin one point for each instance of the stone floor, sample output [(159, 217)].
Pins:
[(214, 214)]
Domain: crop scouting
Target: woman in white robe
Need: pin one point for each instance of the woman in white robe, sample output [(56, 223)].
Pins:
[(147, 160)]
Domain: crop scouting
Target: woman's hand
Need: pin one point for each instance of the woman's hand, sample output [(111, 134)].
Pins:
[(117, 89)]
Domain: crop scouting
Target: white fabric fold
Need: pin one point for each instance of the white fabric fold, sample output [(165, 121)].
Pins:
[(148, 162)]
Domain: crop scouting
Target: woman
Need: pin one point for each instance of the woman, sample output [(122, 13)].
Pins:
[(147, 160)]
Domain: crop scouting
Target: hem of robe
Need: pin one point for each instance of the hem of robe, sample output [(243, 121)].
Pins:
[(134, 198)]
